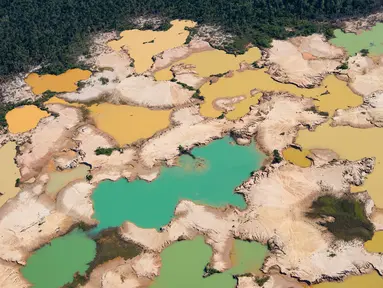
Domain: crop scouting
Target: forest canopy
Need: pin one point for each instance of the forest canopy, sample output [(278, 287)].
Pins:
[(55, 32)]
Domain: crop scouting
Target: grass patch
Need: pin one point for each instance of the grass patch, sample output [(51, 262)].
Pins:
[(350, 222)]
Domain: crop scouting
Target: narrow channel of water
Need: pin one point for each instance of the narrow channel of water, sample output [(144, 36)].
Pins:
[(210, 180)]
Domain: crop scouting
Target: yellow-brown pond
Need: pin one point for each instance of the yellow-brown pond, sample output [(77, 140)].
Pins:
[(8, 172), (56, 100), (143, 45), (297, 157), (376, 243), (353, 144), (372, 280), (24, 118), (127, 124), (58, 180), (212, 62), (331, 95), (65, 82)]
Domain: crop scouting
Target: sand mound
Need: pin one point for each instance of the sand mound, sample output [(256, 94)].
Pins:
[(304, 61)]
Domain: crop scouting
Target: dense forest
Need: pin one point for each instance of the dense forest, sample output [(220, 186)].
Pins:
[(55, 32)]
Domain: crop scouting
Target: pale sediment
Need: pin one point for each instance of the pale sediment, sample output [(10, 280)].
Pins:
[(288, 63)]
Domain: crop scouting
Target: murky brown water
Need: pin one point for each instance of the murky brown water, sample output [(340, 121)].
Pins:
[(8, 172), (65, 82), (297, 157), (376, 243), (331, 95), (127, 124), (24, 118), (372, 280), (143, 45), (212, 62), (352, 144)]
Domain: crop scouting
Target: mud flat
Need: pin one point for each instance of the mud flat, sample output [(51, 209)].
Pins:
[(352, 144), (365, 74), (49, 136), (24, 118), (304, 61), (127, 124), (9, 173), (65, 82), (143, 45)]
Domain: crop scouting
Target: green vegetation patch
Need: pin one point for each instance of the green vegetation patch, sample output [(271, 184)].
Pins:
[(55, 32), (261, 280), (105, 151), (109, 245), (350, 219), (277, 158)]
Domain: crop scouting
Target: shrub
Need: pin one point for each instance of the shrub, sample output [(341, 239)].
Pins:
[(261, 280), (344, 66), (104, 151), (103, 80), (210, 271), (364, 52), (277, 157)]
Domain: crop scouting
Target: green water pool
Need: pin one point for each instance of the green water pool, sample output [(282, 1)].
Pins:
[(353, 43), (210, 179), (183, 265), (54, 265)]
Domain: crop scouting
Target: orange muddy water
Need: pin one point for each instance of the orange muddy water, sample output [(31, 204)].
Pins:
[(127, 124), (24, 118), (65, 82), (144, 44)]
